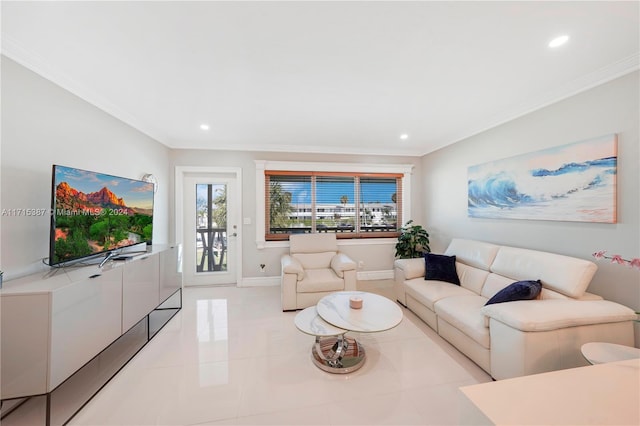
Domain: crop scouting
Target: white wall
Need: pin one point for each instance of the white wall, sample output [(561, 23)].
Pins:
[(376, 257), (609, 108), (42, 125)]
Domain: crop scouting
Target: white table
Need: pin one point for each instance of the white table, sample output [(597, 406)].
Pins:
[(601, 352), (603, 394), (332, 318)]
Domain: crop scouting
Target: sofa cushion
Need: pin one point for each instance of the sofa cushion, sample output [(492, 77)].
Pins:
[(471, 277), (567, 275), (464, 313), (315, 260), (312, 243), (441, 268), (429, 292), (320, 280), (493, 284), (520, 290), (473, 253)]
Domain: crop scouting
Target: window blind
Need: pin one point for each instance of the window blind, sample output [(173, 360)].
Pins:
[(351, 205)]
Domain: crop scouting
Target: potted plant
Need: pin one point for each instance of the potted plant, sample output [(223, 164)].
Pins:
[(413, 241)]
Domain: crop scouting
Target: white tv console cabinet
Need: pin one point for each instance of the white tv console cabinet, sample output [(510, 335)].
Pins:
[(55, 324)]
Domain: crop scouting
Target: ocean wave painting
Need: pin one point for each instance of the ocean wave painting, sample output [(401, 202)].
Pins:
[(574, 182)]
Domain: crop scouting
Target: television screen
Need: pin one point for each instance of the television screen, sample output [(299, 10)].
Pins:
[(94, 213)]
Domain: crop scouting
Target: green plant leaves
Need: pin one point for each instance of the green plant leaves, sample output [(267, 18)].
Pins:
[(413, 241)]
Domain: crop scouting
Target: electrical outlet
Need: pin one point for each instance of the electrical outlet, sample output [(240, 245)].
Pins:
[(262, 267), (361, 264)]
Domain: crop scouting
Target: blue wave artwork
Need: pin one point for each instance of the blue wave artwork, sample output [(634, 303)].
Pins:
[(575, 182)]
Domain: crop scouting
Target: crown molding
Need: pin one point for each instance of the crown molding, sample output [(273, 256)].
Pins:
[(14, 51), (343, 149)]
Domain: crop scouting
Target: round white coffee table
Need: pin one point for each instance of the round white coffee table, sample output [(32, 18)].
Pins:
[(601, 352), (332, 318)]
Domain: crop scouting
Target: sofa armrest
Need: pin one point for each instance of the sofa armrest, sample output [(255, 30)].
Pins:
[(341, 262), (544, 315), (291, 265), (410, 268)]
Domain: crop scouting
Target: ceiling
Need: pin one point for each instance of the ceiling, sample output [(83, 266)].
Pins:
[(325, 77)]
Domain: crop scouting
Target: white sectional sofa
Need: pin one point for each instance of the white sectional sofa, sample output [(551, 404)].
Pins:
[(520, 337)]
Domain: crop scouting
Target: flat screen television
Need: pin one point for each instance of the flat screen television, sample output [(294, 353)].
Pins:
[(96, 214)]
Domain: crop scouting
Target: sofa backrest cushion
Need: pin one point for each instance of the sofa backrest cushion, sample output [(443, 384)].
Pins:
[(471, 278), (315, 260), (312, 243), (494, 283), (314, 251), (566, 275), (473, 253)]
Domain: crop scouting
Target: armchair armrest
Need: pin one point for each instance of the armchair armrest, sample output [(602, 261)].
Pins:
[(340, 263), (291, 265), (544, 315), (411, 268)]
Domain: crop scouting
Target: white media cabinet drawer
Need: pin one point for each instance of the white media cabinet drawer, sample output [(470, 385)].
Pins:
[(86, 317), (25, 344), (140, 289)]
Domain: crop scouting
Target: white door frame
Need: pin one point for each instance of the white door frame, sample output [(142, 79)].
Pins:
[(180, 173)]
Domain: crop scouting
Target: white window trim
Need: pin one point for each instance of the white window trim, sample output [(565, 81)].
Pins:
[(262, 165)]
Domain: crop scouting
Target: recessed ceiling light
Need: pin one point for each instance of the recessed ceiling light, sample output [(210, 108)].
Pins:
[(404, 136), (204, 126), (559, 41)]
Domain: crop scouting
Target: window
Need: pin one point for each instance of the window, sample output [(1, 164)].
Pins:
[(302, 173), (351, 205)]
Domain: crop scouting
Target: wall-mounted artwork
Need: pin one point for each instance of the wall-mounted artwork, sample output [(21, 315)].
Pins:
[(574, 182)]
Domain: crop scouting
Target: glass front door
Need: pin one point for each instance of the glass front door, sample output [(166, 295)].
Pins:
[(211, 227), (209, 234)]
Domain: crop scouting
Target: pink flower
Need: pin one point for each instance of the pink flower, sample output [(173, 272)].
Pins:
[(599, 254), (616, 258)]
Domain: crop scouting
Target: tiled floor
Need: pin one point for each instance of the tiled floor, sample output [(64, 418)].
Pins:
[(232, 357)]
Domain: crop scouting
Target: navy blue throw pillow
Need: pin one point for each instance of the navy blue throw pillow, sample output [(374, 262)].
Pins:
[(440, 268), (520, 290)]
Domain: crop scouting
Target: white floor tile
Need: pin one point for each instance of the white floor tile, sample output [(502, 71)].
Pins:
[(232, 357), (437, 405), (386, 409), (315, 415)]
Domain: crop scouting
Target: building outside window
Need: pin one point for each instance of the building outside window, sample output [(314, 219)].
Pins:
[(352, 205)]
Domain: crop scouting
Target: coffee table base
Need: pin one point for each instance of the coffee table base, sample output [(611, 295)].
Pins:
[(338, 355)]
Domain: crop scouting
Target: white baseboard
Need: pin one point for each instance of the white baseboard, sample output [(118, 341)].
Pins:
[(375, 275), (260, 281)]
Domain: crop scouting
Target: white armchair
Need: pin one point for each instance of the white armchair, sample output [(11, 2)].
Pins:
[(314, 268)]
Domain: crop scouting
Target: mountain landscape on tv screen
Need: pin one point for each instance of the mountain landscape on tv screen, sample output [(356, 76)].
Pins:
[(69, 198), (98, 221)]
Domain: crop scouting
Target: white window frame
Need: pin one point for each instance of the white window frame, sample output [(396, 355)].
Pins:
[(295, 166)]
